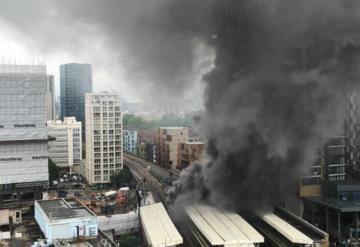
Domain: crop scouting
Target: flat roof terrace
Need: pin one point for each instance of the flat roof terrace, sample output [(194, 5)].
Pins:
[(58, 209)]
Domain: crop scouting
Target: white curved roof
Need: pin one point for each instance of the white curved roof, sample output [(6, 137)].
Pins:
[(160, 231), (223, 227), (285, 229)]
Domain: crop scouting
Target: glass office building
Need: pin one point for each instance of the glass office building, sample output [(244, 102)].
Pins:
[(75, 81)]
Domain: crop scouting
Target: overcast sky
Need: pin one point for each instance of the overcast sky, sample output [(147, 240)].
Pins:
[(106, 34)]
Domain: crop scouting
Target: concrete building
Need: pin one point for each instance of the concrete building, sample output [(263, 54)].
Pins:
[(146, 136), (104, 149), (75, 81), (23, 134), (189, 152), (335, 159), (353, 129), (310, 185), (61, 219), (66, 150), (336, 211), (130, 138), (167, 140), (50, 98), (10, 214), (146, 151)]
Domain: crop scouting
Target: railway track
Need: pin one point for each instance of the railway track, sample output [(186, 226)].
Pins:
[(158, 176), (157, 188), (154, 169)]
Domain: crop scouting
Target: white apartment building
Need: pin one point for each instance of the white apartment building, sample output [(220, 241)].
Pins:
[(23, 132), (104, 152), (65, 146)]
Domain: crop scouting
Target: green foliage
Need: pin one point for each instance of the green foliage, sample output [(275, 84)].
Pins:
[(124, 177), (129, 240), (54, 171), (133, 121), (167, 120)]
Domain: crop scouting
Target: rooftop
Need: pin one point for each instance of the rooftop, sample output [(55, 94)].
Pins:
[(195, 143), (58, 209), (285, 229), (158, 227), (223, 227)]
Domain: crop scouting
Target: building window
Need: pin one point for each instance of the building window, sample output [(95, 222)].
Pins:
[(17, 217)]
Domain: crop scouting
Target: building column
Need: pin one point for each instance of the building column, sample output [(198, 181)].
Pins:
[(312, 213), (356, 224), (339, 226), (327, 219)]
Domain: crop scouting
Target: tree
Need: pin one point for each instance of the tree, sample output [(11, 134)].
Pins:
[(167, 120), (124, 177), (129, 240), (54, 171)]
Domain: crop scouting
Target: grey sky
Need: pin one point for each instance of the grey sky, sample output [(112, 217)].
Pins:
[(116, 37)]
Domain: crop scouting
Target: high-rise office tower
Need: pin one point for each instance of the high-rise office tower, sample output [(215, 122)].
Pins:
[(23, 132), (104, 153), (65, 150), (75, 81), (50, 98)]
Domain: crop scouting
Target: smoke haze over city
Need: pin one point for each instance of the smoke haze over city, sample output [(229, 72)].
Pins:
[(275, 74)]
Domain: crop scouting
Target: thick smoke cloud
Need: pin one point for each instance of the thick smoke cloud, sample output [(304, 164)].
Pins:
[(277, 88)]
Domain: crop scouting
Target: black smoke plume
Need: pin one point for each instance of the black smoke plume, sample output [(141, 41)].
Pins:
[(276, 90)]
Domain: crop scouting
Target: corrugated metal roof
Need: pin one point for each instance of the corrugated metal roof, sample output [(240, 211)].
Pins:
[(158, 227), (223, 227), (287, 230)]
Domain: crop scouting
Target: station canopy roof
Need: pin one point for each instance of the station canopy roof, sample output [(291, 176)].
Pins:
[(159, 230), (285, 229), (222, 227)]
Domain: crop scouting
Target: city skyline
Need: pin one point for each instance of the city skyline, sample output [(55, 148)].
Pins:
[(204, 123)]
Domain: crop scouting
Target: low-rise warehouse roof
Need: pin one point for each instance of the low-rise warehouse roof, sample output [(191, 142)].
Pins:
[(160, 231), (285, 229), (223, 227), (58, 209)]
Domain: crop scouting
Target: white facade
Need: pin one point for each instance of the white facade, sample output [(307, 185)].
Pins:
[(65, 150), (104, 153), (23, 132), (59, 219), (50, 98), (130, 140), (120, 223)]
